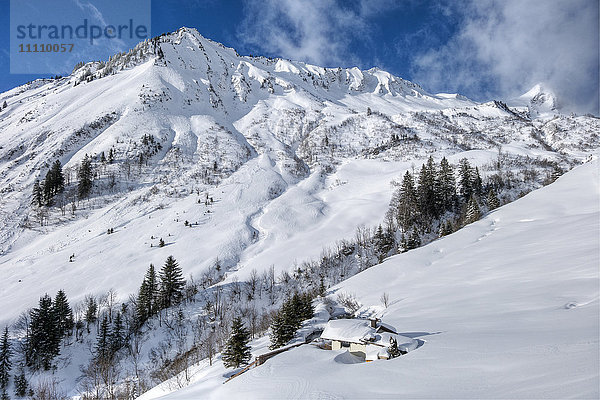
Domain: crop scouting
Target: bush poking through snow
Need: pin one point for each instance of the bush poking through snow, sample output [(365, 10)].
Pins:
[(349, 302)]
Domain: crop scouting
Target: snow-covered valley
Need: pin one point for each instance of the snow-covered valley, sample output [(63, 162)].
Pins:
[(507, 307), (248, 166)]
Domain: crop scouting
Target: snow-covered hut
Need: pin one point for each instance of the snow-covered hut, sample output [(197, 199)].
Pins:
[(369, 339)]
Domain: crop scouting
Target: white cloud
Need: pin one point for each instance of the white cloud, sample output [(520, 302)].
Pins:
[(92, 9), (505, 47), (314, 31)]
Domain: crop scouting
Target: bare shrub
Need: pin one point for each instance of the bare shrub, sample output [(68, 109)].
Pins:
[(349, 302)]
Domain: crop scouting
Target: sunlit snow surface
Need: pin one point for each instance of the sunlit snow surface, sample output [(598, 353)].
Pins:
[(257, 117), (506, 308)]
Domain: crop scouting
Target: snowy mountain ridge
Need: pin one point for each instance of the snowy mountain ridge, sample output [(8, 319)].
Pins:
[(245, 163), (211, 112)]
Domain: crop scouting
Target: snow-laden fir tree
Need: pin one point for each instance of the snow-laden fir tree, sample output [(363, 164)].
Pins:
[(473, 213), (383, 241), (171, 283), (5, 361), (102, 352), (38, 195), (64, 314), (44, 337), (465, 179), (492, 200), (412, 241), (406, 202), (21, 384), (426, 190), (54, 183), (148, 297), (91, 308), (477, 182), (289, 319), (393, 349), (85, 177), (117, 334), (446, 186), (237, 350)]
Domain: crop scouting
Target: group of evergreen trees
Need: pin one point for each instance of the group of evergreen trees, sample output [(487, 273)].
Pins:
[(50, 322), (110, 339), (53, 184), (5, 363), (288, 319), (419, 203), (285, 322), (157, 293)]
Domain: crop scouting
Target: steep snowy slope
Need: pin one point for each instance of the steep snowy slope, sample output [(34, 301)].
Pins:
[(292, 155), (505, 308)]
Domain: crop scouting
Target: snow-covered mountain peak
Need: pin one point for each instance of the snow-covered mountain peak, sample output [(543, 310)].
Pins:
[(540, 100)]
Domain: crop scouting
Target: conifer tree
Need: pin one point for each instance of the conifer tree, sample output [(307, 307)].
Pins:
[(446, 186), (492, 200), (407, 207), (85, 177), (426, 194), (289, 318), (393, 349), (237, 350), (44, 338), (117, 335), (445, 228), (48, 194), (91, 308), (477, 183), (473, 213), (383, 242), (322, 288), (171, 283), (64, 314), (21, 384), (413, 241), (54, 183), (103, 348), (38, 196), (5, 362), (282, 330), (58, 179), (465, 180), (148, 296)]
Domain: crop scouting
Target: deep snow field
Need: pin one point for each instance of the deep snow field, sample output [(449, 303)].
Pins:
[(507, 307), (295, 158)]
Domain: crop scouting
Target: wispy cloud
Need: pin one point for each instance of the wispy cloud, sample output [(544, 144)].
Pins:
[(113, 45), (315, 31), (505, 47), (88, 7)]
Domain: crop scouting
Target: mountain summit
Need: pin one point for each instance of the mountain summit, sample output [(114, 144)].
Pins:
[(539, 100), (254, 177)]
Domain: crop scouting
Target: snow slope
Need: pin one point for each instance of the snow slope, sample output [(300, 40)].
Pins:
[(303, 155), (507, 307), (295, 157)]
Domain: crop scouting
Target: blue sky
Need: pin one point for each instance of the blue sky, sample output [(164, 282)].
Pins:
[(483, 49)]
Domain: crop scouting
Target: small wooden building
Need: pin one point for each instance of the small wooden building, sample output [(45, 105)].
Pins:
[(365, 338)]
